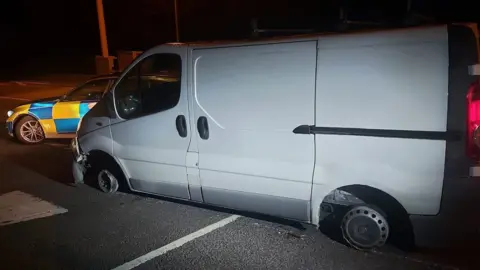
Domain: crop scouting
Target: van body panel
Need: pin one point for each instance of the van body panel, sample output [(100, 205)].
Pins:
[(410, 170), (100, 139), (259, 203), (399, 86), (399, 83), (253, 97), (178, 190)]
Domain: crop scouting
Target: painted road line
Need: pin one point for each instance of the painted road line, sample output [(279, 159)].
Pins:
[(176, 244), (25, 83), (14, 98), (35, 82), (19, 83), (17, 206)]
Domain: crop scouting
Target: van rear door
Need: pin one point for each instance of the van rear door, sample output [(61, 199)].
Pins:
[(459, 217)]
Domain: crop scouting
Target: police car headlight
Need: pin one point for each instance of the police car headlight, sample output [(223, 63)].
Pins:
[(9, 113)]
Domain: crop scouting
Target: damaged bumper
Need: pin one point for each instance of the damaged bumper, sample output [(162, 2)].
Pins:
[(78, 171), (79, 167)]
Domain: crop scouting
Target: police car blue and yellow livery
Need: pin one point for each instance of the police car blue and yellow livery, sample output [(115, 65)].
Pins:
[(56, 117)]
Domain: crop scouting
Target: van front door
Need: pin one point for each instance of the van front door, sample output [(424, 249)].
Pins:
[(152, 134)]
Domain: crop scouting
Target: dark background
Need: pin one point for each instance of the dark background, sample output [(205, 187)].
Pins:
[(62, 35)]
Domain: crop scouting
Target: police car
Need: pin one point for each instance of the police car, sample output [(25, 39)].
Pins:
[(56, 117)]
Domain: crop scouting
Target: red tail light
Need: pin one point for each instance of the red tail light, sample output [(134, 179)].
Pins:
[(473, 121)]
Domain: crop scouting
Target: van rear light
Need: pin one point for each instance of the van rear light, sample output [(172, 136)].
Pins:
[(473, 121)]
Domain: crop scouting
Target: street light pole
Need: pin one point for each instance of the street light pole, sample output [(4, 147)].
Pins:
[(101, 27), (177, 35)]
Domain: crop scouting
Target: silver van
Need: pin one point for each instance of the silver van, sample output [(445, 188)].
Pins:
[(370, 123)]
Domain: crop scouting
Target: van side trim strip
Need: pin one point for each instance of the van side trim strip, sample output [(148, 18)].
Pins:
[(385, 133)]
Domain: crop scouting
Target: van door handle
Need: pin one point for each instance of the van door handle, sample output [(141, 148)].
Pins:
[(99, 124), (181, 124), (202, 127)]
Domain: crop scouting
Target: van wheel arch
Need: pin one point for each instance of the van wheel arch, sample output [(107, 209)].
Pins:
[(402, 234)]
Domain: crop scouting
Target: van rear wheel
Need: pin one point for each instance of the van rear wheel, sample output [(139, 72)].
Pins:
[(364, 228)]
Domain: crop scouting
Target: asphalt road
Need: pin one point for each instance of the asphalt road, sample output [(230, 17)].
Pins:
[(102, 231)]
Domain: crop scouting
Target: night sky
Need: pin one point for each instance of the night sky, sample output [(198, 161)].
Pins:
[(33, 31)]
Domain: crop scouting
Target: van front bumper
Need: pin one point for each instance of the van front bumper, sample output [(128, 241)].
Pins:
[(78, 171), (79, 167)]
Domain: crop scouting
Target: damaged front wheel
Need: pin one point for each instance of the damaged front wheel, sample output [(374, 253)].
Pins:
[(107, 182)]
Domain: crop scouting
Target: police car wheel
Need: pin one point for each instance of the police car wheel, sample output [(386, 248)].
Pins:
[(29, 131)]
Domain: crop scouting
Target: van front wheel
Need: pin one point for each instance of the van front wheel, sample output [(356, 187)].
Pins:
[(104, 173), (106, 181), (365, 228)]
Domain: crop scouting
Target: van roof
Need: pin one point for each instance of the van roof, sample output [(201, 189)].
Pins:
[(300, 37)]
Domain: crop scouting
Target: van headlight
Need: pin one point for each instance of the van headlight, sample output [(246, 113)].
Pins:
[(74, 146), (77, 151), (9, 113)]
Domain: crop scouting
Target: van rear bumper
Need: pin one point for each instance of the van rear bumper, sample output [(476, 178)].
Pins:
[(475, 171), (432, 232), (444, 233), (458, 222)]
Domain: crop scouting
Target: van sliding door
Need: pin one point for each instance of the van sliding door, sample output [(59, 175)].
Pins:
[(248, 99)]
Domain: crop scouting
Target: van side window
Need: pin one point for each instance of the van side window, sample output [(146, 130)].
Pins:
[(152, 86)]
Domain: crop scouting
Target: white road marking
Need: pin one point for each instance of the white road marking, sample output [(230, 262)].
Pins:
[(35, 82), (14, 98), (176, 244), (25, 83), (17, 206)]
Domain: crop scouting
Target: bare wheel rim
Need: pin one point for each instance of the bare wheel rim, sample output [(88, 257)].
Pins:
[(365, 228), (32, 132), (106, 181)]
